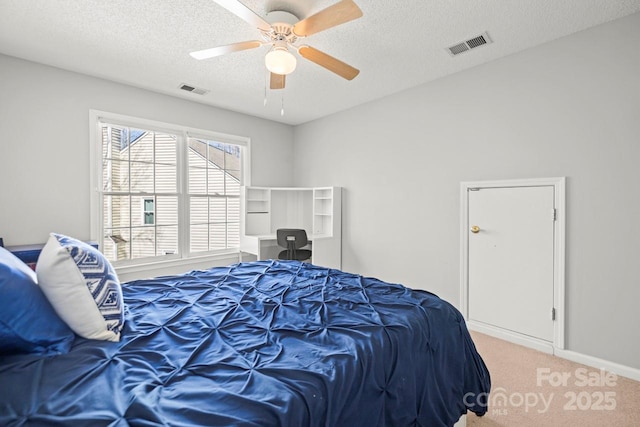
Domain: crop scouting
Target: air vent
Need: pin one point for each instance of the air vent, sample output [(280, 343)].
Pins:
[(196, 90), (467, 45)]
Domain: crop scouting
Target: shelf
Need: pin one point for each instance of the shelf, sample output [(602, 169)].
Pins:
[(317, 210)]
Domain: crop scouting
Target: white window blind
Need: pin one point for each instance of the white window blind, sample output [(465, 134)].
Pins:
[(166, 192)]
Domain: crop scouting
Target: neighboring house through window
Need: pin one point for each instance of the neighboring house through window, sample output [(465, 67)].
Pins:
[(164, 190)]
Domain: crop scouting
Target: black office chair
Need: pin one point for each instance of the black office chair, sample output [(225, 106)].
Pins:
[(293, 239)]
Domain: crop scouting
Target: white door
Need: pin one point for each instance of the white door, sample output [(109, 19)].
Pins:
[(511, 258)]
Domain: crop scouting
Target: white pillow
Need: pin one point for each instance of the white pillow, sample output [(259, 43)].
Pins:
[(82, 287)]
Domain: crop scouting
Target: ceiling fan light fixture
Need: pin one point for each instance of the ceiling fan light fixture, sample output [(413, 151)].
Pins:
[(279, 60)]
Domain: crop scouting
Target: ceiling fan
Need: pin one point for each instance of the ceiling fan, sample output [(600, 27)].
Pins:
[(282, 30)]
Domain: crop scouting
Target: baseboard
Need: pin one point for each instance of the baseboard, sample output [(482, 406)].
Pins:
[(546, 347), (514, 337), (594, 362)]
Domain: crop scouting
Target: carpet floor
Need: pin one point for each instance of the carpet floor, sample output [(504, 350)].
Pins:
[(531, 388)]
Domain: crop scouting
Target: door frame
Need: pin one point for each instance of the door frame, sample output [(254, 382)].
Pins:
[(559, 184)]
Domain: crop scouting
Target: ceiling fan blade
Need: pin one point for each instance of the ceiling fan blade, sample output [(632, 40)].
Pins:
[(277, 81), (339, 13), (222, 50), (329, 62), (244, 13)]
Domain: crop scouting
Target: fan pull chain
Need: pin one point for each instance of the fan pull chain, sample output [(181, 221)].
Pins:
[(266, 78), (282, 104)]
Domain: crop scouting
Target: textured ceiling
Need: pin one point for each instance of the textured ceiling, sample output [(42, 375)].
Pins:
[(396, 45)]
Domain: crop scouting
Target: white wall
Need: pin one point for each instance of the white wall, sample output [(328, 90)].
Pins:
[(568, 108), (44, 144)]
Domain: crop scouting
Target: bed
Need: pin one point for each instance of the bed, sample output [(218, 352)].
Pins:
[(265, 343)]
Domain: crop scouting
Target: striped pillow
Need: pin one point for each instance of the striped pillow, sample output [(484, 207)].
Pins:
[(82, 286)]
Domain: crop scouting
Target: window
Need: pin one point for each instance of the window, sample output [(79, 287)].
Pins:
[(214, 195), (149, 211), (165, 192)]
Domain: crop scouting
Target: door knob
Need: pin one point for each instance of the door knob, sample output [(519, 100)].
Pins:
[(475, 228)]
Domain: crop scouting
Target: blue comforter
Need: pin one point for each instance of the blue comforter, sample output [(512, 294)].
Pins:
[(267, 343)]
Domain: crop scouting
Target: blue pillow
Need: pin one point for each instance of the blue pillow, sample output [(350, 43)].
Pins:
[(28, 323)]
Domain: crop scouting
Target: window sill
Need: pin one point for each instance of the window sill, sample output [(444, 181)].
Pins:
[(151, 269)]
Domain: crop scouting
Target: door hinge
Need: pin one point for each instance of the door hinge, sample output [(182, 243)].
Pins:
[(553, 314), (554, 214)]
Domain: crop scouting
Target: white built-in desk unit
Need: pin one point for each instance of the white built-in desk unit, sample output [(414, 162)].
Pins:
[(316, 210)]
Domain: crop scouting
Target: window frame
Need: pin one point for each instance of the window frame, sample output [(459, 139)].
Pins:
[(183, 133)]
